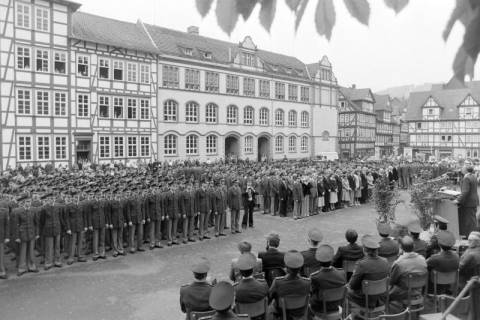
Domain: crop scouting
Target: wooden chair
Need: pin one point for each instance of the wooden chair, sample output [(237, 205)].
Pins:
[(372, 288), (197, 315), (415, 303), (445, 299), (294, 302), (254, 310), (331, 295), (405, 314), (443, 278)]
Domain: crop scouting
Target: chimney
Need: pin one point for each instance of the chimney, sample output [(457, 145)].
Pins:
[(354, 86), (193, 30)]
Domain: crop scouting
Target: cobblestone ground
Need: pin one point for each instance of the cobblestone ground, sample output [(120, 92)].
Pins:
[(146, 285)]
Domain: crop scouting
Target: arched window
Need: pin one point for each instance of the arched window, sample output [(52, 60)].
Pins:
[(248, 115), (305, 119), (232, 114), (279, 118), (191, 145), (170, 109), (211, 112), (325, 135), (170, 144), (292, 144), (248, 145), (292, 118), (279, 144), (264, 117), (191, 112), (304, 144), (211, 144)]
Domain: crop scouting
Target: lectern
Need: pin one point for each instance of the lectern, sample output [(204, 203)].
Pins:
[(445, 208)]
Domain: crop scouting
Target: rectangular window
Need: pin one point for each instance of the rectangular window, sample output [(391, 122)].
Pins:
[(82, 65), (192, 79), (144, 73), (43, 103), (248, 148), (264, 88), (145, 146), (131, 108), (211, 144), (23, 15), (61, 148), (60, 104), (170, 76), (132, 146), (118, 108), (118, 146), (24, 101), (42, 60), (83, 106), (305, 94), (144, 109), (42, 18), (211, 113), (24, 148), (131, 72), (248, 87), (248, 59), (23, 58), (60, 63), (104, 146), (279, 90), (103, 107), (212, 81), (104, 69), (43, 148), (118, 70), (232, 84), (292, 92)]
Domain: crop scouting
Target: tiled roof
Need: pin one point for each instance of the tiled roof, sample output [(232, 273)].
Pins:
[(355, 94), (398, 106), (448, 100), (72, 4), (382, 102), (173, 42), (112, 32)]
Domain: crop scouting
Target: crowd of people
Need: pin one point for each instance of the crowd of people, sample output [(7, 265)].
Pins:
[(63, 215), (273, 275)]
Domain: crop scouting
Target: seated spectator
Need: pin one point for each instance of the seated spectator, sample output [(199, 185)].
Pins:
[(290, 285), (221, 300), (311, 264), (445, 261), (470, 260), (351, 252), (372, 267), (419, 246), (272, 260), (388, 247), (440, 224), (194, 296), (244, 247), (327, 277), (249, 289), (408, 262)]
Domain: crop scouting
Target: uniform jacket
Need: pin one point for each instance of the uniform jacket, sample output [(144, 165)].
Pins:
[(350, 252), (445, 261), (310, 263), (265, 187), (203, 201), (26, 224), (76, 219), (4, 224), (409, 262), (117, 214), (220, 200), (189, 203), (388, 248), (98, 214), (250, 290), (234, 198), (469, 197), (288, 285), (274, 186), (51, 220), (469, 263), (297, 191), (420, 247), (325, 278), (194, 297)]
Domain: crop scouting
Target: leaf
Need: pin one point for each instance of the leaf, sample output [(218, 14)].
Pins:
[(227, 15), (203, 7), (300, 13), (359, 9), (325, 18), (471, 43), (396, 5), (267, 13), (245, 7), (463, 12), (293, 4)]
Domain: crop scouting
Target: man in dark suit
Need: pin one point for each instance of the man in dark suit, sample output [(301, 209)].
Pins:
[(194, 296), (389, 248), (311, 264), (351, 252), (372, 267), (290, 284), (326, 278), (272, 259), (283, 197), (234, 203), (249, 289), (467, 202)]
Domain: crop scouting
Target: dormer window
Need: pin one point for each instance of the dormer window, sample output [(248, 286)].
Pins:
[(188, 51), (468, 109), (207, 55), (431, 110), (289, 70), (248, 59)]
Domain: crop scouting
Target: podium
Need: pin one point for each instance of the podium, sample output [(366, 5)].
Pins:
[(448, 210)]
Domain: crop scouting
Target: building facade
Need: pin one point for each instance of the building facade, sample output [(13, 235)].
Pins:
[(78, 86), (445, 122), (387, 137)]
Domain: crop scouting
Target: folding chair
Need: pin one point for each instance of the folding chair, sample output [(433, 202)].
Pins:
[(415, 303), (294, 302), (372, 288), (331, 295), (405, 314), (254, 310), (197, 315), (443, 278)]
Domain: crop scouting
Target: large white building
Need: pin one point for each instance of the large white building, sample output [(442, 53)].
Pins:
[(79, 86)]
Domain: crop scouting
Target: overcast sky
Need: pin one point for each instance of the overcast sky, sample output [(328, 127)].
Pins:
[(394, 50)]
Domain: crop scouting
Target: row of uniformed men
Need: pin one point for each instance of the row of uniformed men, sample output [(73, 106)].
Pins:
[(161, 212)]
